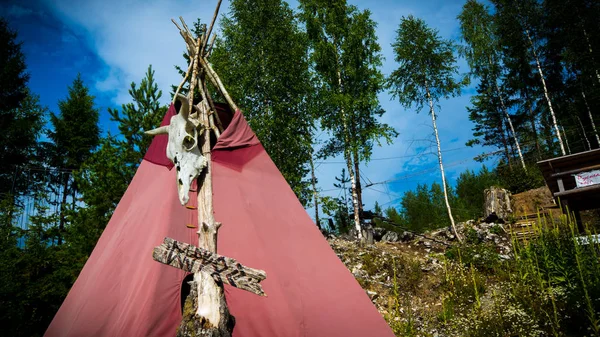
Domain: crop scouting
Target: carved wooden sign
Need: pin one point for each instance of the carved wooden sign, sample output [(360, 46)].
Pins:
[(223, 269)]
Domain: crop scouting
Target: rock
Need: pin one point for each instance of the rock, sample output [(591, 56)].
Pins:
[(406, 236), (367, 232), (378, 233), (372, 295), (391, 237)]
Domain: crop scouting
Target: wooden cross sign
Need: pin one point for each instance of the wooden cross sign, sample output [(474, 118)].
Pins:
[(223, 269)]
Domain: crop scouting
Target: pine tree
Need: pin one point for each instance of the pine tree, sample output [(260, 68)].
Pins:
[(426, 73)]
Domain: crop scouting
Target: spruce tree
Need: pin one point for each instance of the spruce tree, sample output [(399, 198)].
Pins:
[(21, 115), (483, 53), (75, 134), (144, 113)]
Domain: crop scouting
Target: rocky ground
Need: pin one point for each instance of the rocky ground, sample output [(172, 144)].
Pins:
[(405, 274)]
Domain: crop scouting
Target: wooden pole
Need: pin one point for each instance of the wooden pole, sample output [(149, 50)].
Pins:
[(216, 81), (212, 23)]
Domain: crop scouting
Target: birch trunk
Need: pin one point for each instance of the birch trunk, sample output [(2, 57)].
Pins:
[(358, 184), (348, 158), (439, 150), (504, 143), (566, 139), (585, 137), (546, 95), (512, 129), (315, 194), (591, 117), (587, 39)]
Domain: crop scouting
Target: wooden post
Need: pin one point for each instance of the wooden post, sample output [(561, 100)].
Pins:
[(205, 311)]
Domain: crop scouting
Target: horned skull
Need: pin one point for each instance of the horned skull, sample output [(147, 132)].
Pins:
[(182, 148)]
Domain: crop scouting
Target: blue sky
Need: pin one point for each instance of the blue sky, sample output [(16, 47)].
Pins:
[(111, 43)]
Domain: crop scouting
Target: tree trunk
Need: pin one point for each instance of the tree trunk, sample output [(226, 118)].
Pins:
[(63, 209), (439, 150), (358, 184), (315, 194), (587, 39), (566, 139), (504, 142), (546, 95), (512, 129), (591, 118), (533, 127), (585, 137), (205, 312), (348, 157)]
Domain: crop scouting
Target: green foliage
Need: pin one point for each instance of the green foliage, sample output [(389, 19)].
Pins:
[(19, 133), (550, 287), (427, 65), (469, 191), (261, 59), (21, 116), (517, 180), (424, 209), (144, 113), (13, 75), (75, 132), (346, 58)]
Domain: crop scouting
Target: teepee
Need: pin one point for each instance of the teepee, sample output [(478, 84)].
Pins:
[(206, 168)]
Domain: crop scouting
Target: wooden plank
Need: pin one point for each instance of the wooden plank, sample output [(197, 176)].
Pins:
[(570, 172), (223, 269), (580, 190), (561, 186)]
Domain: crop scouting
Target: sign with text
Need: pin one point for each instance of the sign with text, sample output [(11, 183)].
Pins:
[(587, 178)]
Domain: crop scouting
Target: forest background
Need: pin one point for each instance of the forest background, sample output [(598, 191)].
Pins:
[(316, 82)]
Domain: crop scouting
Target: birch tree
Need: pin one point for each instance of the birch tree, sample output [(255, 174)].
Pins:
[(483, 53), (261, 59), (346, 59), (426, 73)]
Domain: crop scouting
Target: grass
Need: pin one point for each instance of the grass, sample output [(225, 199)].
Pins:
[(550, 287)]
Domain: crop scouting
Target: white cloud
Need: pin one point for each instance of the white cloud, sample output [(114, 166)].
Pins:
[(130, 35)]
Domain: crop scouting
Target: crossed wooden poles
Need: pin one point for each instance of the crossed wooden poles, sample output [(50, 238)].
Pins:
[(223, 269)]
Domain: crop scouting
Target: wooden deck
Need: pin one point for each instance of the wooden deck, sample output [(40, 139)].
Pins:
[(559, 174)]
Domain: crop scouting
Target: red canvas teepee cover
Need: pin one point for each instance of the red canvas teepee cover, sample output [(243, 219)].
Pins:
[(122, 291)]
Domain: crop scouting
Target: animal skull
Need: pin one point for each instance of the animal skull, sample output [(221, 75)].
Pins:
[(182, 148)]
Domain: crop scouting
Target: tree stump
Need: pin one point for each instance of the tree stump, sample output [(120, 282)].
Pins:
[(193, 325), (497, 200)]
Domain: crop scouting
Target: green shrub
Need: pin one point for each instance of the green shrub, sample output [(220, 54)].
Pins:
[(517, 180)]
